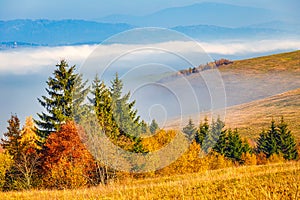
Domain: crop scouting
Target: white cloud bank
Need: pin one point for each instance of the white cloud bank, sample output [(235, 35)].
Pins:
[(34, 60)]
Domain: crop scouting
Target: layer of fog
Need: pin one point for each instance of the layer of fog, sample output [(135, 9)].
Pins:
[(24, 71), (34, 60)]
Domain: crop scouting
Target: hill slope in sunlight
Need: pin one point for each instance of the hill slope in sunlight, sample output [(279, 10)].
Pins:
[(257, 89), (251, 117)]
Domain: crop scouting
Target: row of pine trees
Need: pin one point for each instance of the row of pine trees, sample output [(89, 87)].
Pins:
[(50, 152)]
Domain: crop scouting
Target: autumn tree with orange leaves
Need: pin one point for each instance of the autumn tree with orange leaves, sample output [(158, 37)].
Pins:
[(67, 163)]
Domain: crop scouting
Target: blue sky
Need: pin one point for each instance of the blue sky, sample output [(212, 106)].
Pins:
[(94, 9)]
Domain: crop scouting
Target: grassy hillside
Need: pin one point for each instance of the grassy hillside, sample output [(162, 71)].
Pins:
[(251, 117), (276, 181), (278, 63), (257, 89)]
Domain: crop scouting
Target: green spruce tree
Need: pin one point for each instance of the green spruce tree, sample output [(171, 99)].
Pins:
[(236, 147), (231, 145), (267, 142), (287, 143), (202, 131), (215, 131), (153, 126), (222, 144), (144, 128), (190, 130), (102, 104), (12, 141), (123, 111), (65, 89), (278, 140), (125, 116)]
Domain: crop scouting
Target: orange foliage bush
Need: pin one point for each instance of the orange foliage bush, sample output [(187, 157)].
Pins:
[(261, 159), (67, 163)]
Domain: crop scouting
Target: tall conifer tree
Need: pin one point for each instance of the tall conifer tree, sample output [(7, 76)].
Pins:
[(190, 130), (277, 140), (123, 111), (12, 143), (63, 91), (202, 131), (153, 126), (102, 103)]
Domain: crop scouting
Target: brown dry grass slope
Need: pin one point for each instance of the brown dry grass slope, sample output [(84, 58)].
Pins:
[(278, 63), (257, 89), (251, 117)]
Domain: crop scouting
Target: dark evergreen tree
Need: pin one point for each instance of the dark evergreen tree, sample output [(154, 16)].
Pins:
[(222, 144), (216, 129), (202, 132), (81, 90), (261, 144), (278, 140), (267, 142), (123, 111), (125, 116), (102, 103), (287, 143), (12, 143), (144, 127), (153, 126), (190, 130), (63, 91), (236, 147), (231, 145)]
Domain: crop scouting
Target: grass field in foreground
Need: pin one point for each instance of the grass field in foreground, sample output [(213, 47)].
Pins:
[(274, 181)]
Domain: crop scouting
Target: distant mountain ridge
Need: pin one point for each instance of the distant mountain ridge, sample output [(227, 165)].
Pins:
[(62, 32), (218, 14), (204, 21), (17, 33)]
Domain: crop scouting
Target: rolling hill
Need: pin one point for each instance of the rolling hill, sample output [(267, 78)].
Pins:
[(258, 89), (251, 117)]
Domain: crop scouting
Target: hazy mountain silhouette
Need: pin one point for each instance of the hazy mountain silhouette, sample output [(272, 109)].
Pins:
[(217, 14)]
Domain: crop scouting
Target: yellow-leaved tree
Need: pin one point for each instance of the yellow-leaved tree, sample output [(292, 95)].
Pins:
[(28, 161), (5, 164)]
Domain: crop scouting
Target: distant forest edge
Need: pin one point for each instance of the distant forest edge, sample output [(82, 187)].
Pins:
[(194, 70)]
